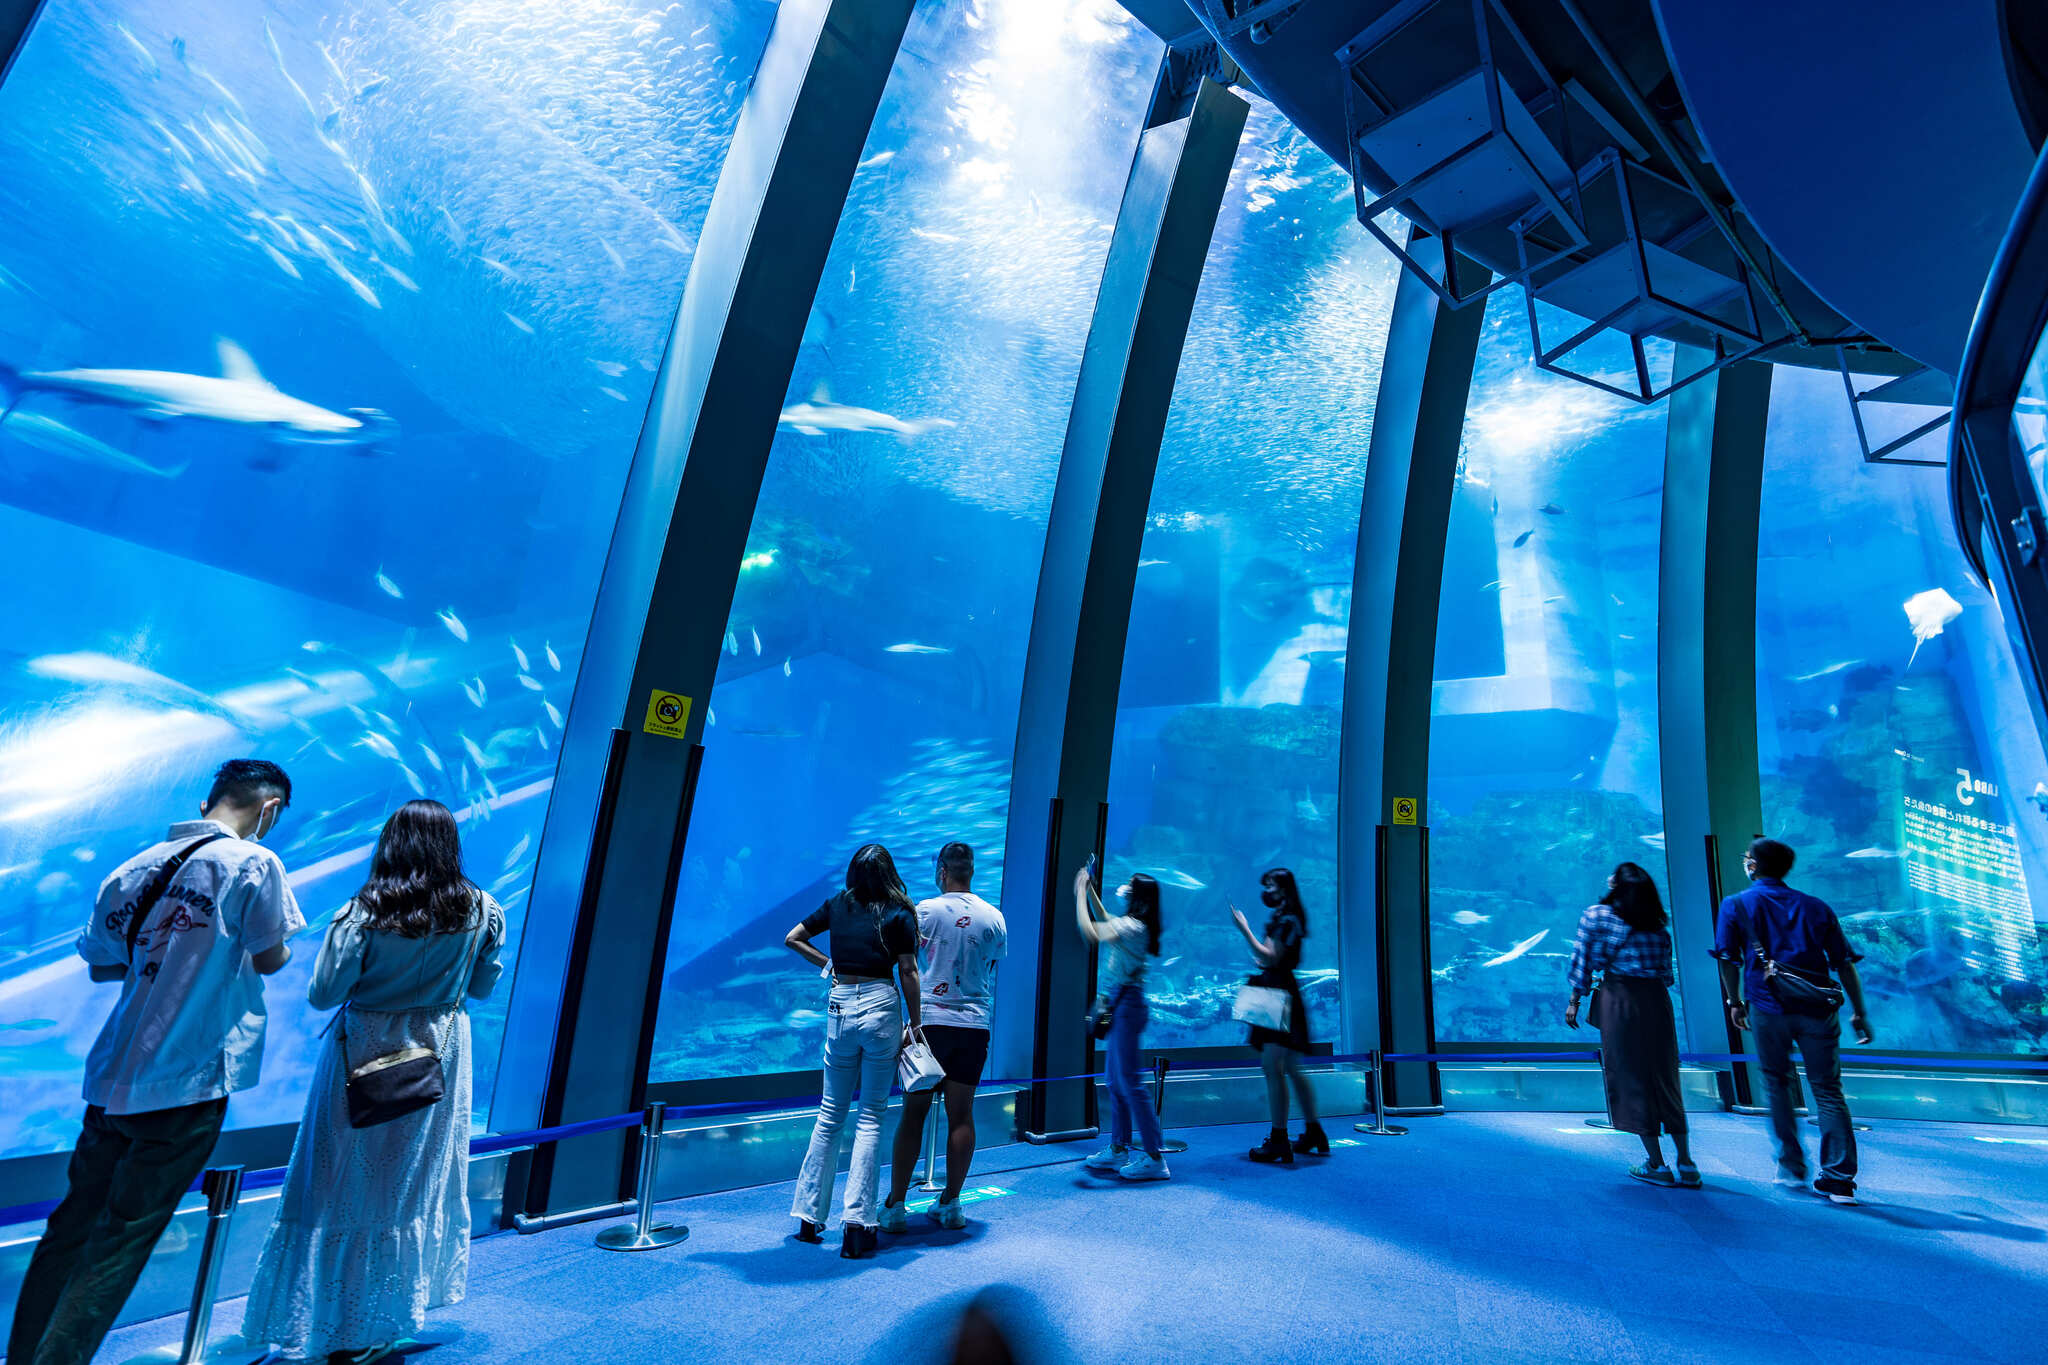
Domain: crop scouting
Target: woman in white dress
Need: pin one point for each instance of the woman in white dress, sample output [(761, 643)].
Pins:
[(373, 1226)]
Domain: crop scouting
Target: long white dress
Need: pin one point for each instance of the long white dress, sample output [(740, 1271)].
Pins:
[(372, 1228)]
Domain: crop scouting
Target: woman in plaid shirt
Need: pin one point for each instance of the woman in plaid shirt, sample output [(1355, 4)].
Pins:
[(1625, 942)]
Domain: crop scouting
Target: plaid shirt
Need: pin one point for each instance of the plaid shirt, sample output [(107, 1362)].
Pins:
[(1606, 944)]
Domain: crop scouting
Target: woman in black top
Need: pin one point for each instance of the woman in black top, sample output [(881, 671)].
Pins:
[(872, 929), (1280, 1052)]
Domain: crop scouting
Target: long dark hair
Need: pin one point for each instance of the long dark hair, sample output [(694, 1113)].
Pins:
[(1282, 880), (416, 886), (871, 879), (1142, 905), (1635, 898)]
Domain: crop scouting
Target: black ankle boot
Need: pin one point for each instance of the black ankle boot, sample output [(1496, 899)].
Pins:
[(857, 1242), (1313, 1140), (807, 1231), (1273, 1149)]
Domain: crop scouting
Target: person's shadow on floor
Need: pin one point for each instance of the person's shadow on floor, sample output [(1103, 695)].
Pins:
[(792, 1262), (1934, 1220)]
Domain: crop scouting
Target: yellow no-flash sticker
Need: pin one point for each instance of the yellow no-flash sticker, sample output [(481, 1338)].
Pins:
[(1404, 810), (668, 713)]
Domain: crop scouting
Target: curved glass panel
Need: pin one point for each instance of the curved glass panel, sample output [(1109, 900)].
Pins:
[(2030, 419), (1543, 760), (1896, 748), (875, 652), (452, 235), (1225, 759)]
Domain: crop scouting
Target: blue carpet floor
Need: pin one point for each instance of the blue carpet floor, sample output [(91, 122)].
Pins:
[(1492, 1237)]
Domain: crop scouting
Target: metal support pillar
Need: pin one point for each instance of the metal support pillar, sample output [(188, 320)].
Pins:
[(674, 562), (1074, 664), (1706, 664), (1397, 581), (17, 17)]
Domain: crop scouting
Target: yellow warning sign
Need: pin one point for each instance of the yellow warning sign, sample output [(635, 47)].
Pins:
[(1404, 810), (668, 713)]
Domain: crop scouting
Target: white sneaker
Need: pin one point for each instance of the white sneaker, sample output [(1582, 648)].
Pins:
[(1109, 1160), (1145, 1166), (894, 1218), (947, 1216)]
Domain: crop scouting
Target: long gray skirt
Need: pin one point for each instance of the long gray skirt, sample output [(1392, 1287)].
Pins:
[(372, 1227), (1639, 1055)]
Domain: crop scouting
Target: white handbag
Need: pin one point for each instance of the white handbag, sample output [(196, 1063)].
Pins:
[(1262, 1007), (916, 1067)]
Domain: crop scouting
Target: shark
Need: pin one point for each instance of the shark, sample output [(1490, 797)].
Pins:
[(240, 395), (819, 414)]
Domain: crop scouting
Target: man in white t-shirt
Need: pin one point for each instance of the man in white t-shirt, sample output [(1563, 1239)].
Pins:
[(961, 937), (189, 927)]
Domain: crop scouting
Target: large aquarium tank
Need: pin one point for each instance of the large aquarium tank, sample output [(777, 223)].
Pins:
[(1893, 736), (1228, 715), (326, 334), (874, 658), (1543, 764)]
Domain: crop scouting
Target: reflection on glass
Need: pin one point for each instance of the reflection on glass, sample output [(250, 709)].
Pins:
[(1896, 747), (1543, 727), (1225, 759), (2030, 418), (327, 331), (875, 652)]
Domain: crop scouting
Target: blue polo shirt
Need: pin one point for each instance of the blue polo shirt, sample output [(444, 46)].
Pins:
[(1798, 931)]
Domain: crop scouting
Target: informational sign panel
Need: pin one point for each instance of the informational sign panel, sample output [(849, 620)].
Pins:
[(668, 713)]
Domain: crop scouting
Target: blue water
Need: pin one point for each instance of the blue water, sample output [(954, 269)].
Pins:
[(875, 652), (472, 218)]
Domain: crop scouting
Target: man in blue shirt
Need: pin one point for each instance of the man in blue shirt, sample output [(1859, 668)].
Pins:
[(1801, 934)]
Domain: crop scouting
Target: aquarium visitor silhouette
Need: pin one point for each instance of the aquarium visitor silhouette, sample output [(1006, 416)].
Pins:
[(962, 937), (189, 927), (871, 928), (1281, 1049), (372, 1225), (1624, 941), (1781, 951), (1128, 941)]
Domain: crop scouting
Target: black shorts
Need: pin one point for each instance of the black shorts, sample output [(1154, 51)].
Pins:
[(961, 1052)]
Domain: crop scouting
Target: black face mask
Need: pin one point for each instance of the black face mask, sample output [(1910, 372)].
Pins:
[(1272, 898)]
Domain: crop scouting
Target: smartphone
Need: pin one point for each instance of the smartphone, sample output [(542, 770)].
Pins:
[(1094, 872)]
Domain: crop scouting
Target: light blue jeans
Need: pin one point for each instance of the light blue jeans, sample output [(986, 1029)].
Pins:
[(1129, 1102), (863, 1033)]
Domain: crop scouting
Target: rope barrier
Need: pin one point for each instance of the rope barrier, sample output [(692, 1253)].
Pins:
[(491, 1144)]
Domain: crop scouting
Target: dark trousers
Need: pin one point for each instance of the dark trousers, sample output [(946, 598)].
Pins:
[(1820, 1047), (127, 1175), (1129, 1102)]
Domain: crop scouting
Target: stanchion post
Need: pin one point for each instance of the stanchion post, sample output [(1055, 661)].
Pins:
[(1379, 1126), (1159, 1069), (931, 1149), (646, 1234), (222, 1186)]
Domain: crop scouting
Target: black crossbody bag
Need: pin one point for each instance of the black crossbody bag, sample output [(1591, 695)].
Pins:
[(1798, 994), (410, 1079), (159, 884)]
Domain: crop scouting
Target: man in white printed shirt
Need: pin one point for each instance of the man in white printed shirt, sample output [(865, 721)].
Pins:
[(962, 937), (189, 927)]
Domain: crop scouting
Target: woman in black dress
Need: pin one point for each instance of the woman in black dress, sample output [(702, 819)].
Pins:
[(1280, 1053)]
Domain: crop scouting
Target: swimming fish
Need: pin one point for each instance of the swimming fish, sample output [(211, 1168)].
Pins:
[(53, 437), (1468, 918), (817, 416), (1180, 881), (1929, 614), (521, 323), (1520, 948), (88, 666), (448, 618), (1874, 853), (912, 647), (530, 684), (520, 655), (518, 851), (554, 660), (1523, 539), (732, 645), (1824, 672), (379, 745), (554, 713), (390, 588), (757, 641), (1551, 509), (610, 368), (785, 668), (475, 690), (241, 394)]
